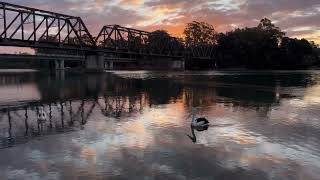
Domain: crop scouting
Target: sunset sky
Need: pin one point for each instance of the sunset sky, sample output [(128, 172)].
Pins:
[(299, 18)]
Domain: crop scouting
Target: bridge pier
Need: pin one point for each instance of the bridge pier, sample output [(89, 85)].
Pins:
[(178, 65), (94, 62), (162, 64), (109, 65), (59, 64), (60, 75)]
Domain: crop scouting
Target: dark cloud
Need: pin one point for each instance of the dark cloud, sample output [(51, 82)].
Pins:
[(267, 7)]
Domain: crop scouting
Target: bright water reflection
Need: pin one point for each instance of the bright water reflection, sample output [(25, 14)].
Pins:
[(135, 125)]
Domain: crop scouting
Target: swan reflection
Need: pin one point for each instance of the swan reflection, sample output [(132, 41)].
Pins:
[(193, 137)]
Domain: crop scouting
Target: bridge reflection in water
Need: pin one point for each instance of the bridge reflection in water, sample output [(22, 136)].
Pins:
[(77, 99), (134, 124), (69, 104), (19, 123)]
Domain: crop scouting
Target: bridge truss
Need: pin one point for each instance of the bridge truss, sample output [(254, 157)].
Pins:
[(29, 27), (19, 122), (133, 41), (22, 26)]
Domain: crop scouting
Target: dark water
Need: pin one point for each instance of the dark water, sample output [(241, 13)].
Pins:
[(135, 125)]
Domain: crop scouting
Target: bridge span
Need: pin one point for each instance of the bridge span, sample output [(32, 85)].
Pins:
[(48, 31)]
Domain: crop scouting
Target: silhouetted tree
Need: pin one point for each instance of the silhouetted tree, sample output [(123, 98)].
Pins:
[(268, 27), (200, 33), (200, 42), (263, 47), (297, 53), (159, 42)]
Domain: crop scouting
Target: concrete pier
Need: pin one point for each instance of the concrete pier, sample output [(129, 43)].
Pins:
[(59, 64), (108, 65), (177, 65), (162, 64), (94, 62), (60, 75)]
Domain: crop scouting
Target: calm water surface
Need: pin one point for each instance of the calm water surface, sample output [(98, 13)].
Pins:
[(136, 125)]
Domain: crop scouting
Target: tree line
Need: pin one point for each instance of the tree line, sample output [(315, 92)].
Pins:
[(262, 47)]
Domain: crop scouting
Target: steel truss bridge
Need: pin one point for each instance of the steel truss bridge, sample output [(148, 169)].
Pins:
[(22, 26)]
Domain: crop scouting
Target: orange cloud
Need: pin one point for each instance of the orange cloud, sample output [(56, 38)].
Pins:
[(130, 2), (99, 2)]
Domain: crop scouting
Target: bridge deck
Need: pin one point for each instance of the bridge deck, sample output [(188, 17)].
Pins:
[(41, 57)]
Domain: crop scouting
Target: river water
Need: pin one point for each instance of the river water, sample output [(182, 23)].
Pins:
[(136, 125)]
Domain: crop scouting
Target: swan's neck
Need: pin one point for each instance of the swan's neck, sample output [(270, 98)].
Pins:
[(193, 116), (194, 137), (192, 131)]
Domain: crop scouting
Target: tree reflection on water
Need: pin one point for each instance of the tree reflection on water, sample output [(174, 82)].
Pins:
[(122, 126), (70, 101)]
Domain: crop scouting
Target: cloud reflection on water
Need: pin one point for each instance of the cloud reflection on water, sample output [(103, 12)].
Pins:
[(135, 129)]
